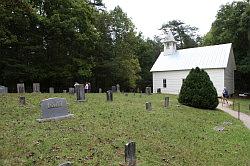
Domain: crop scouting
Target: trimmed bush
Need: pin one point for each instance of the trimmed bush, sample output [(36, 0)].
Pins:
[(198, 90)]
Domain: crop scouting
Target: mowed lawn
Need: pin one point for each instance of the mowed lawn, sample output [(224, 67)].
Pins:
[(244, 105), (179, 135)]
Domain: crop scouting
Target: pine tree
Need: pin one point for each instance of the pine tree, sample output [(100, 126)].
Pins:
[(198, 90)]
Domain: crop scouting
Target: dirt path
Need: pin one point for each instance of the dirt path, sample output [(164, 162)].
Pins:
[(243, 117)]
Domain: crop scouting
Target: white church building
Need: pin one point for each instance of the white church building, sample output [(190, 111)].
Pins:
[(172, 66)]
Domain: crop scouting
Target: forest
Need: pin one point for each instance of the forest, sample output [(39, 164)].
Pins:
[(60, 42)]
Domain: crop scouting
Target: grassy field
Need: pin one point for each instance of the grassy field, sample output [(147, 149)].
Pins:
[(97, 134), (244, 105)]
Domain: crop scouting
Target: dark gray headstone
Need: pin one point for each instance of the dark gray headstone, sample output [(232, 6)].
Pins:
[(36, 87), (51, 90), (159, 90), (109, 95), (80, 94), (71, 91), (22, 100), (166, 101), (130, 157), (20, 88), (113, 88), (100, 90), (148, 90), (148, 106), (54, 109), (118, 88)]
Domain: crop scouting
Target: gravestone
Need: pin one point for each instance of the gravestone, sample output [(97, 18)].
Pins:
[(66, 164), (130, 157), (166, 101), (54, 109), (71, 91), (118, 88), (100, 90), (80, 94), (6, 89), (36, 87), (22, 100), (51, 90), (148, 90), (113, 89), (148, 106), (158, 90), (20, 88), (3, 89), (64, 91), (109, 95)]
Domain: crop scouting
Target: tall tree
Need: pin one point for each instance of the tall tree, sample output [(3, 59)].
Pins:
[(232, 25), (185, 35)]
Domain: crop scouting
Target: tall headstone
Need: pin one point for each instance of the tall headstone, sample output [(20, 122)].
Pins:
[(80, 94), (22, 100), (118, 88), (51, 90), (113, 89), (20, 88), (148, 106), (148, 90), (130, 157), (36, 87), (100, 90), (71, 91), (166, 101), (109, 95), (54, 109)]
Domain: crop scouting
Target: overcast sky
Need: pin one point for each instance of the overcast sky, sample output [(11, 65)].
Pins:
[(149, 15)]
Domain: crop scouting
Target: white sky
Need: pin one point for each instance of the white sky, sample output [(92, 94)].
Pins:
[(149, 15)]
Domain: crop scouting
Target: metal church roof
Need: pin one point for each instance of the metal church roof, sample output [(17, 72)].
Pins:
[(215, 56)]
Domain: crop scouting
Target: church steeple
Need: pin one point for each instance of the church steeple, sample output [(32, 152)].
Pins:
[(168, 42)]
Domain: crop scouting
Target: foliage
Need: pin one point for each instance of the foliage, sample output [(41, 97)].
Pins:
[(100, 129), (58, 42), (185, 35), (198, 90), (232, 26)]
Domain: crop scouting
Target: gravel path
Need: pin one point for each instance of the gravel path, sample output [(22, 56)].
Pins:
[(243, 117)]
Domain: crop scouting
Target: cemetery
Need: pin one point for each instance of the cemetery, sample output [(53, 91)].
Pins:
[(100, 131), (82, 85)]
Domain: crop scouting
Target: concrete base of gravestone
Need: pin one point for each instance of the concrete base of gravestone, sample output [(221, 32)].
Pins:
[(55, 118)]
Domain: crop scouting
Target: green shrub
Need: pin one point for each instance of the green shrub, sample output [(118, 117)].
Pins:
[(198, 90)]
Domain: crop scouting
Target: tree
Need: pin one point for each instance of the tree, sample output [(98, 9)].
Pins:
[(198, 90), (232, 26), (185, 35)]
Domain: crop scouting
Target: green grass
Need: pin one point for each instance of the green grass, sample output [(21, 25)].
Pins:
[(100, 129), (244, 105)]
